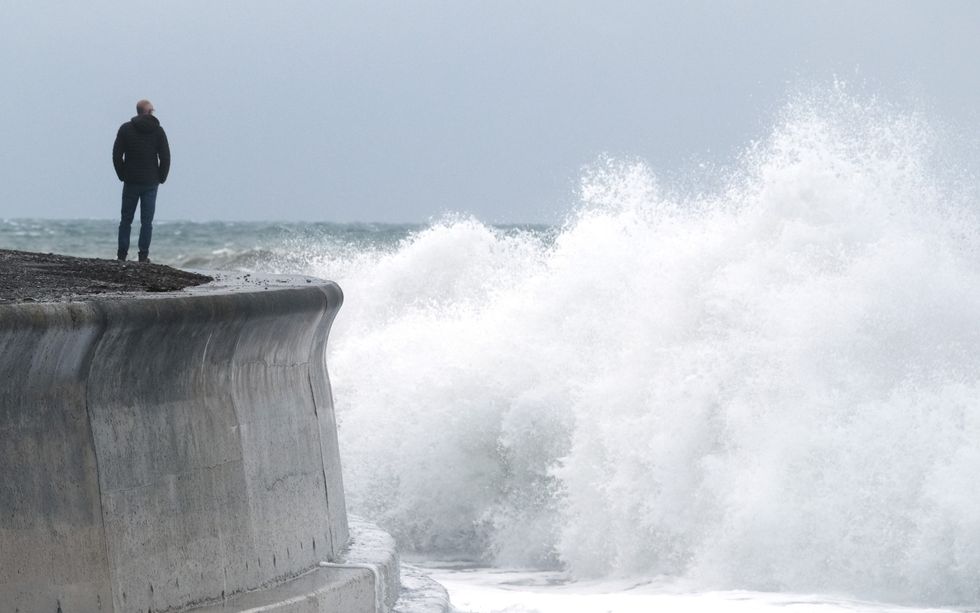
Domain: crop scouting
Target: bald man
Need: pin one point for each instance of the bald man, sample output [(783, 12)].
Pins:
[(141, 156)]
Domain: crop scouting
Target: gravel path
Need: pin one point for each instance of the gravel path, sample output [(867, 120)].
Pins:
[(46, 277)]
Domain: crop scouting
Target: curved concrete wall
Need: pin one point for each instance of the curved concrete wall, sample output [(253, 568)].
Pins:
[(163, 452)]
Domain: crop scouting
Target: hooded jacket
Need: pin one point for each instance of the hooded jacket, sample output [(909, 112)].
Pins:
[(141, 153)]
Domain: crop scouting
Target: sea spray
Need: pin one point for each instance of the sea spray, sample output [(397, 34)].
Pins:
[(772, 386)]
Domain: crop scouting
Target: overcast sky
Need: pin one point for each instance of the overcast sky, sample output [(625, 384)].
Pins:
[(403, 110)]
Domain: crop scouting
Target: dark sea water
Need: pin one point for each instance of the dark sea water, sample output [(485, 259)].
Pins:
[(220, 245)]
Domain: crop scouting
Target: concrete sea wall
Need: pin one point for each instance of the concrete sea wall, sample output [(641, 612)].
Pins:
[(159, 453)]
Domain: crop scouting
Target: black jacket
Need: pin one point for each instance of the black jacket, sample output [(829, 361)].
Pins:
[(141, 153)]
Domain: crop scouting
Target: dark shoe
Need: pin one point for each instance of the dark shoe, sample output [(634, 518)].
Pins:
[(145, 261), (121, 259), (145, 258)]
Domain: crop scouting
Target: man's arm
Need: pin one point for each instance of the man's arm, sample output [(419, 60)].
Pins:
[(117, 154), (163, 150)]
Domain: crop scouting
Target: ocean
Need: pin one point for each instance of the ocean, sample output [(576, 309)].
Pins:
[(758, 391)]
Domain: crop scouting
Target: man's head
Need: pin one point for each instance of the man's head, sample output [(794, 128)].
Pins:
[(144, 107)]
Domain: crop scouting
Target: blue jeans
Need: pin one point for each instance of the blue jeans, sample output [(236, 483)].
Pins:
[(146, 197)]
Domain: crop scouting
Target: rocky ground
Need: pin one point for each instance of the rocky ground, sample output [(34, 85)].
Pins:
[(46, 277)]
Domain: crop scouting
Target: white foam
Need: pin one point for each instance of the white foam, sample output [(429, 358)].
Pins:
[(773, 386), (508, 591)]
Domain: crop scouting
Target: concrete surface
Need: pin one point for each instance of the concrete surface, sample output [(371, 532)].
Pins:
[(365, 579), (168, 451), (420, 593), (373, 548), (322, 590)]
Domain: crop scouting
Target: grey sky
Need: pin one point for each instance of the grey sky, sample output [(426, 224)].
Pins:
[(403, 110)]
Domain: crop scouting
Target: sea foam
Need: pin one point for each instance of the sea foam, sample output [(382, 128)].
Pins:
[(773, 384)]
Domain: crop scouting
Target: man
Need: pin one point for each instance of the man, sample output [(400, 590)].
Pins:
[(141, 156)]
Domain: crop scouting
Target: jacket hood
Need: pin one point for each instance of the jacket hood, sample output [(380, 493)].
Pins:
[(145, 123)]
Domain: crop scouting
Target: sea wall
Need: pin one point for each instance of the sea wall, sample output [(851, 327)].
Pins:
[(168, 451)]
